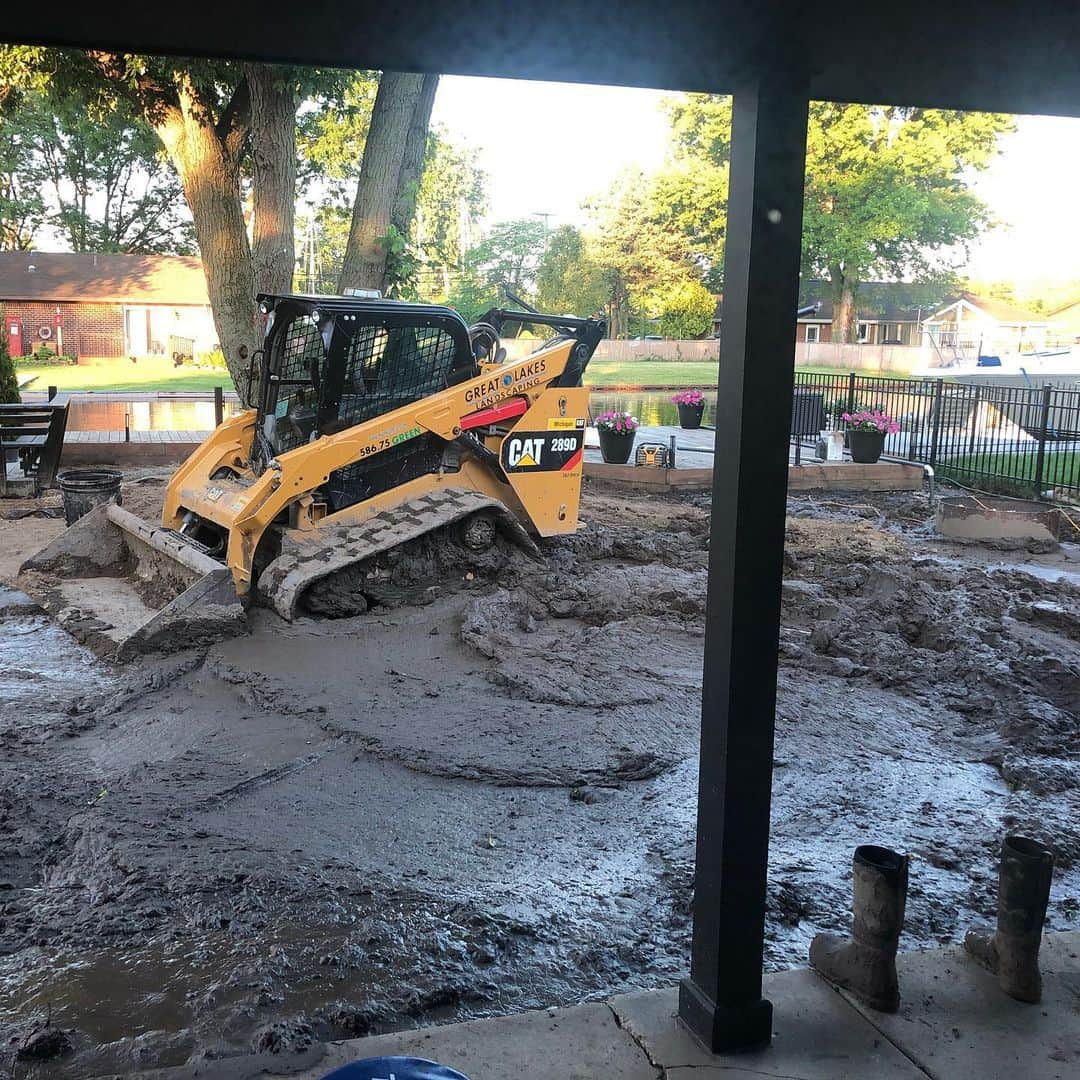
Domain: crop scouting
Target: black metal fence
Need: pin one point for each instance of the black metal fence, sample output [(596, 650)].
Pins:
[(1017, 440)]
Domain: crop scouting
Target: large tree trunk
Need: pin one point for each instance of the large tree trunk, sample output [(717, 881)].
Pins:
[(364, 265), (403, 213), (274, 101), (844, 325), (207, 163)]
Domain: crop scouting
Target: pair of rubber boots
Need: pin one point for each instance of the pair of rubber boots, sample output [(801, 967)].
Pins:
[(865, 963)]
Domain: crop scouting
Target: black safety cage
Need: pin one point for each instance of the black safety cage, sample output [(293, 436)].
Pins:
[(334, 362)]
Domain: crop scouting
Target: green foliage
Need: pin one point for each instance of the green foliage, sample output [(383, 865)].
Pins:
[(686, 310), (101, 183), (887, 192), (689, 193), (471, 296), (509, 255), (43, 357), (452, 194), (9, 382), (214, 359), (332, 128), (569, 281), (22, 206)]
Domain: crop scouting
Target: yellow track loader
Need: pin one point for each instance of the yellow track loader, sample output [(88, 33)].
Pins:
[(375, 422)]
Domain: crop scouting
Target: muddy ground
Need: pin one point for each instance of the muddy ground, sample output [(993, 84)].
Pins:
[(480, 795)]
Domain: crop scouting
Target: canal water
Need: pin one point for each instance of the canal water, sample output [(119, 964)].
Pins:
[(654, 409), (156, 414)]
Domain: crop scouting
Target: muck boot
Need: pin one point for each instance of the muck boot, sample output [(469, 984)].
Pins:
[(865, 963), (1012, 952)]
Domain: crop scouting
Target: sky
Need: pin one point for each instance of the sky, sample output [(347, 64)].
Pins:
[(548, 146)]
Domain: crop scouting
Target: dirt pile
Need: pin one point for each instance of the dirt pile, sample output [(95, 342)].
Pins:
[(480, 795)]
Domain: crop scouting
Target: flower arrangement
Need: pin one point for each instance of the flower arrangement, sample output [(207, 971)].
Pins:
[(867, 420), (689, 397), (621, 423)]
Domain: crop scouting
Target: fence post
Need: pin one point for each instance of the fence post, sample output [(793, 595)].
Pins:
[(219, 406), (939, 386), (973, 417), (851, 392), (1044, 424)]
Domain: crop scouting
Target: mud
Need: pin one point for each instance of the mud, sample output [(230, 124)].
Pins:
[(479, 795)]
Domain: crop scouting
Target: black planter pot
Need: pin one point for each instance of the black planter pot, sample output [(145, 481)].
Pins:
[(690, 415), (866, 446), (616, 447)]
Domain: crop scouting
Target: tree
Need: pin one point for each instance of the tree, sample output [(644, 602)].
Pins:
[(275, 97), (637, 254), (100, 182), (887, 195), (686, 310), (452, 194), (569, 280), (508, 257), (22, 206), (201, 113), (886, 191), (9, 382), (389, 179), (689, 193)]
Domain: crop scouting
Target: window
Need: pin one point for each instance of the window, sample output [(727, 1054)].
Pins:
[(813, 333), (864, 332)]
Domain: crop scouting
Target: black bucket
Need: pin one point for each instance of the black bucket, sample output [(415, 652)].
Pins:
[(84, 489)]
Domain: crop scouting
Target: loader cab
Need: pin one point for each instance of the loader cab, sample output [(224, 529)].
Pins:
[(331, 363)]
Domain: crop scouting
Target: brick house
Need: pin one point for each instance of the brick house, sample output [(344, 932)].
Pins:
[(889, 312), (104, 305)]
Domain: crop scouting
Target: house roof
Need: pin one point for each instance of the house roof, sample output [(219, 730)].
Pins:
[(1069, 307), (999, 310), (876, 301), (128, 279)]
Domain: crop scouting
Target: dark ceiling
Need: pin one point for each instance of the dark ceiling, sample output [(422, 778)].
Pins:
[(990, 55)]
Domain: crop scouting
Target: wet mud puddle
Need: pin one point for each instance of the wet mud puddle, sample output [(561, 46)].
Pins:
[(487, 802)]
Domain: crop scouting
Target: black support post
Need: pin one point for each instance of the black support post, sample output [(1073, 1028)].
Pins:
[(721, 1001)]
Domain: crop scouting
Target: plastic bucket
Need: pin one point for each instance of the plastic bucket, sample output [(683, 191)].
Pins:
[(400, 1068), (85, 489)]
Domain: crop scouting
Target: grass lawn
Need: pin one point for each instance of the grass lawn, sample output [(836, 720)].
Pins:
[(1060, 469), (154, 373), (674, 372), (159, 373)]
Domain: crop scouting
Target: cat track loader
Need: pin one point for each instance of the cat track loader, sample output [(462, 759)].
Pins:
[(374, 422)]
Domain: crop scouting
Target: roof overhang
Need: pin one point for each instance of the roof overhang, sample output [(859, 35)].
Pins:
[(1009, 57)]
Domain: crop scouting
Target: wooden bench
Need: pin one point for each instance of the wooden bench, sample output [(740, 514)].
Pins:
[(31, 441)]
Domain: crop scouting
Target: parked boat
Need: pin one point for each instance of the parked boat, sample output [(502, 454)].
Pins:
[(1059, 367)]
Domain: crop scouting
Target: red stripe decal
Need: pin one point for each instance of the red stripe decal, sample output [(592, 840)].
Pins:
[(574, 461)]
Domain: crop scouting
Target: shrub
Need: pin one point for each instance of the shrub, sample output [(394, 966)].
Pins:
[(45, 358), (9, 383), (214, 359)]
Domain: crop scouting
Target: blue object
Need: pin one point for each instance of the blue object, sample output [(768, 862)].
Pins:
[(395, 1068), (988, 361)]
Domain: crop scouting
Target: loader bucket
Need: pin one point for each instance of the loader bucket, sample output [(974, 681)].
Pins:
[(125, 587)]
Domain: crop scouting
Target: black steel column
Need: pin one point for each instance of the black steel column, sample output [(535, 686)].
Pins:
[(721, 1002)]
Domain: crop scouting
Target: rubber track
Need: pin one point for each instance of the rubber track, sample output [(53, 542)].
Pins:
[(284, 580)]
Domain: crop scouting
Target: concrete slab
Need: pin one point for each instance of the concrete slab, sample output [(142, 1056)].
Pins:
[(816, 1036), (955, 1021), (580, 1043)]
